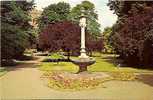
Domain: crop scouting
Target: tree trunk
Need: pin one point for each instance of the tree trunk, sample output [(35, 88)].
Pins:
[(68, 55)]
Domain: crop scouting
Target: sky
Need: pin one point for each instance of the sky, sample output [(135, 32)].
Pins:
[(105, 16)]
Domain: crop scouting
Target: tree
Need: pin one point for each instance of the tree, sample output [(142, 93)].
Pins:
[(122, 8), (94, 45), (60, 36), (93, 26), (65, 36), (54, 13), (132, 34), (107, 41), (15, 28)]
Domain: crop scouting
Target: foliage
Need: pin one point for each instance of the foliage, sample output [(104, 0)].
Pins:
[(58, 35), (94, 45), (122, 8), (107, 41), (54, 13), (132, 34), (56, 56), (66, 36), (93, 26), (57, 29), (15, 28), (61, 12)]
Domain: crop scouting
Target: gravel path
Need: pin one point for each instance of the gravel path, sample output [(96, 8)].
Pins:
[(24, 82)]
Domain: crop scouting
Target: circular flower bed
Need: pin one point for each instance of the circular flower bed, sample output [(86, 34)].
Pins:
[(70, 81)]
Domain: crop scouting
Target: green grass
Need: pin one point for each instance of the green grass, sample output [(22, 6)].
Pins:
[(2, 71), (100, 65), (61, 66), (103, 65), (56, 56)]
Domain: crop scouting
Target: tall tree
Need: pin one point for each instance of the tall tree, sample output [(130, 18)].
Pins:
[(107, 42), (15, 28), (93, 26), (54, 13)]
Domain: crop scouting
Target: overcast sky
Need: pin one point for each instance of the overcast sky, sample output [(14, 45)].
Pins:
[(105, 16)]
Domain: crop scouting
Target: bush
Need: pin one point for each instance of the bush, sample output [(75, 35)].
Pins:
[(55, 60), (56, 56), (41, 54), (16, 31)]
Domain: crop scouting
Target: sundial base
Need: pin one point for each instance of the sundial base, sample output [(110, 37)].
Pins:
[(83, 63)]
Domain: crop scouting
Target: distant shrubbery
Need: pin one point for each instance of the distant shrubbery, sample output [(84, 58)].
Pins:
[(56, 57)]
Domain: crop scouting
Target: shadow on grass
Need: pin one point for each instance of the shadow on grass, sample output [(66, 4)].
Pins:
[(15, 62), (120, 63), (22, 63), (19, 66), (26, 58), (114, 60)]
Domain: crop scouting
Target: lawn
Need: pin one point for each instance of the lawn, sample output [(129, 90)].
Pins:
[(2, 71), (104, 62), (61, 66)]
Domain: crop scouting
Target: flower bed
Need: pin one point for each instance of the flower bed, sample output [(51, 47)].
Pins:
[(69, 81)]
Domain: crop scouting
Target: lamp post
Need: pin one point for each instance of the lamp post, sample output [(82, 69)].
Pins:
[(83, 26)]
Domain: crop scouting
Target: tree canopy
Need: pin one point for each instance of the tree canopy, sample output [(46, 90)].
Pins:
[(54, 13), (93, 26), (16, 32), (132, 35), (107, 40), (59, 27), (62, 12)]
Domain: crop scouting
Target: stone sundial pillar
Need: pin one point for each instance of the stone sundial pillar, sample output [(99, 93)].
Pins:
[(83, 60), (83, 26)]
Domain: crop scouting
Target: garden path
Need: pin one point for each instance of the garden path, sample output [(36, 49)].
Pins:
[(24, 82)]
